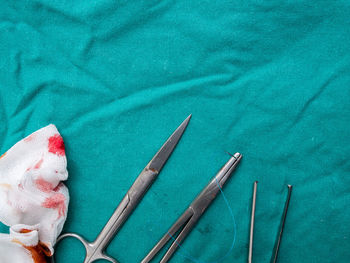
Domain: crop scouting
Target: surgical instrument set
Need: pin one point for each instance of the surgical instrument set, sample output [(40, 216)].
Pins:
[(96, 250), (185, 223)]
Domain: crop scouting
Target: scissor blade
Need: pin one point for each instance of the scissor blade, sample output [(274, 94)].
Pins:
[(168, 147), (140, 186)]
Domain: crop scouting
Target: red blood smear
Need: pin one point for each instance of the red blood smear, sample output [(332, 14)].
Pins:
[(43, 185), (58, 187), (40, 253), (23, 230), (56, 145), (29, 138), (38, 164), (56, 201)]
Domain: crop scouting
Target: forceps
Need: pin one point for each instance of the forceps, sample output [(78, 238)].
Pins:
[(96, 250), (280, 231), (191, 216)]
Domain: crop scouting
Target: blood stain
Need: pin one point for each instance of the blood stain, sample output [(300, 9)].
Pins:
[(38, 164), (56, 145), (43, 185), (29, 138), (56, 201), (40, 253)]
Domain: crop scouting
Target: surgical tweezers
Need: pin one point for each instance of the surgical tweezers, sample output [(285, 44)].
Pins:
[(280, 231), (191, 216)]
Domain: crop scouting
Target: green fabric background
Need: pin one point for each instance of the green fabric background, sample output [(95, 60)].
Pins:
[(270, 79)]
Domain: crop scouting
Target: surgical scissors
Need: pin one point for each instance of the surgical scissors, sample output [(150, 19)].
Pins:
[(96, 250), (191, 216)]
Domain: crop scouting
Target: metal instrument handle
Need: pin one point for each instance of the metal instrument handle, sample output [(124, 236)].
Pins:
[(92, 252)]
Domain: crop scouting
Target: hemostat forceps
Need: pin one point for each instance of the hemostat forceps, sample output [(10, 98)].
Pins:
[(96, 250), (191, 216)]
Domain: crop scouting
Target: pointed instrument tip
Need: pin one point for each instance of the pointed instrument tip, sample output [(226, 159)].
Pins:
[(168, 147), (182, 126), (188, 118), (180, 130)]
